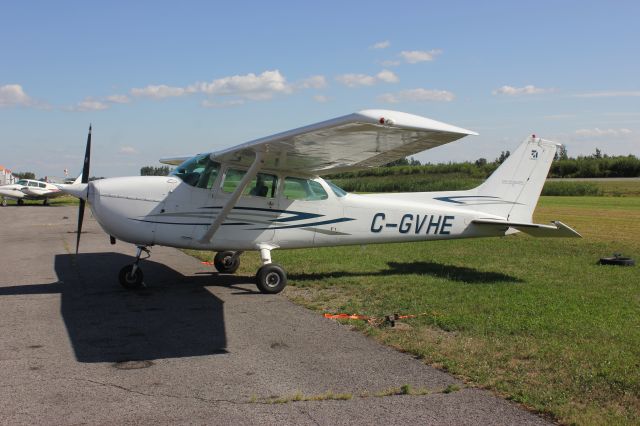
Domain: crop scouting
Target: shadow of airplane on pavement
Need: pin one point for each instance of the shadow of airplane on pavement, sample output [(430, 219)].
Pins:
[(175, 317)]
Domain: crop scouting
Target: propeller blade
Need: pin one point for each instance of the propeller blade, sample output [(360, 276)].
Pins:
[(87, 158), (80, 218), (85, 179)]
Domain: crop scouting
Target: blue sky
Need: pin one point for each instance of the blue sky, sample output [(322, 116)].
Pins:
[(161, 79)]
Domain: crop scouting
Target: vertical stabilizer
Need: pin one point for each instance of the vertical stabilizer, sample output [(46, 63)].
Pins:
[(512, 191)]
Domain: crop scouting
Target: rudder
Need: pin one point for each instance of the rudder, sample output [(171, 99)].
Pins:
[(512, 191)]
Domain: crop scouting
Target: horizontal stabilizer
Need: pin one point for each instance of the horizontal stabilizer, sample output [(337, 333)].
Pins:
[(558, 229)]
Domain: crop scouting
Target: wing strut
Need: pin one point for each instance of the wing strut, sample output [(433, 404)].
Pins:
[(251, 173)]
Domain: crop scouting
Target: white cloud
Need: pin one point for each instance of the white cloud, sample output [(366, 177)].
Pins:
[(387, 76), (250, 86), (358, 80), (597, 133), (321, 98), (90, 105), (517, 91), (127, 150), (415, 56), (158, 91), (226, 104), (390, 63), (417, 95), (609, 94), (313, 82), (355, 80), (381, 45), (14, 95), (240, 88), (118, 99)]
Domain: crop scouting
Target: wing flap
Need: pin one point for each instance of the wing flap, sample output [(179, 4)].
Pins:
[(558, 229)]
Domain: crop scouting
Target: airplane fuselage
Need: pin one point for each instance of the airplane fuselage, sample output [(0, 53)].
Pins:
[(172, 213), (29, 189)]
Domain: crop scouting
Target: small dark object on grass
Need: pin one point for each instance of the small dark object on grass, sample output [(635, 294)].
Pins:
[(617, 259)]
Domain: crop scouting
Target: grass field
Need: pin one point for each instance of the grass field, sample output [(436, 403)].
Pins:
[(65, 200), (536, 320)]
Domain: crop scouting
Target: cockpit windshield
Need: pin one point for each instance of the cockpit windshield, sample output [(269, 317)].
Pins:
[(23, 182), (199, 171), (336, 189)]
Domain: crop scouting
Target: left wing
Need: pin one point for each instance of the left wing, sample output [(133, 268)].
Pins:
[(364, 139)]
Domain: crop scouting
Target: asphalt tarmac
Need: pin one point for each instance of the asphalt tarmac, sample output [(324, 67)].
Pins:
[(191, 348)]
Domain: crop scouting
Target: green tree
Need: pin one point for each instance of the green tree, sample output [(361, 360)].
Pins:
[(155, 171), (25, 175)]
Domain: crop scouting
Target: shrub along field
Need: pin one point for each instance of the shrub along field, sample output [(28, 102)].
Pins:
[(536, 320)]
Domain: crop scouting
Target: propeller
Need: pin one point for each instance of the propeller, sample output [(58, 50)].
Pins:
[(85, 179)]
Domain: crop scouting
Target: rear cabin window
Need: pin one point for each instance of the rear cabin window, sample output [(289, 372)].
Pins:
[(262, 185), (199, 171), (42, 185), (303, 189)]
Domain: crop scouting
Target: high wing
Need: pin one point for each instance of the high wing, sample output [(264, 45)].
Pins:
[(360, 140)]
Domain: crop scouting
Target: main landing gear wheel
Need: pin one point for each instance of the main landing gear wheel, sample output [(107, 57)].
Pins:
[(271, 278), (4, 202), (226, 262), (45, 202), (129, 278), (20, 201)]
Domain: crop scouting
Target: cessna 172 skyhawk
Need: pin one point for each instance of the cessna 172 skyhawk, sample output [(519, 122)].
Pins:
[(29, 189), (268, 194)]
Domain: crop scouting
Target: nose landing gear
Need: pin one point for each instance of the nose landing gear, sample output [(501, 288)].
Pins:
[(131, 276)]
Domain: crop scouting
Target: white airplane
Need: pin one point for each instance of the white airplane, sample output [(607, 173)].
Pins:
[(268, 194), (29, 189)]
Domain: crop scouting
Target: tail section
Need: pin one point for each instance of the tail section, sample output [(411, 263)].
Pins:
[(512, 191)]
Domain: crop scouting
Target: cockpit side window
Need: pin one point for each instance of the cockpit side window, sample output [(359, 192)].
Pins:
[(303, 189), (199, 171), (263, 185)]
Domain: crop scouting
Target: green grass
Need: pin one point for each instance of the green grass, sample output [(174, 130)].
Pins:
[(536, 320), (65, 200)]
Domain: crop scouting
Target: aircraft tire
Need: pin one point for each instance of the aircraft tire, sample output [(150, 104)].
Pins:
[(271, 278), (129, 281), (225, 262), (45, 202), (20, 201), (4, 202), (617, 260)]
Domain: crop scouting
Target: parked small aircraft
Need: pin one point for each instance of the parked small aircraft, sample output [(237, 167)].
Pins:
[(28, 189), (268, 194)]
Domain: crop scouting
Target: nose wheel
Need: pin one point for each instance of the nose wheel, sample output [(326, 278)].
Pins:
[(227, 262), (131, 276)]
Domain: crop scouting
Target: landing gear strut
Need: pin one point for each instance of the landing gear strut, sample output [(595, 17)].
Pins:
[(131, 276), (271, 277)]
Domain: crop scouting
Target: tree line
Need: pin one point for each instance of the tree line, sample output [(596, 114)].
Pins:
[(596, 165)]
